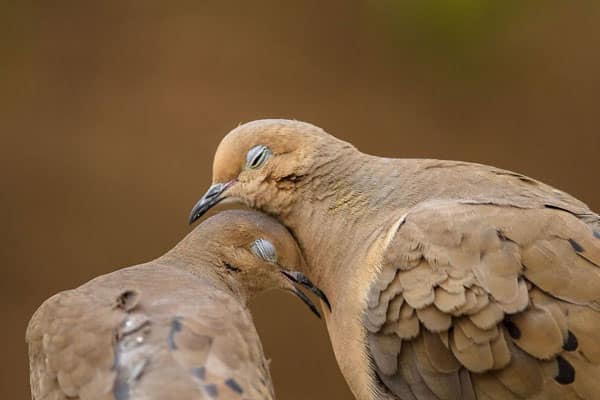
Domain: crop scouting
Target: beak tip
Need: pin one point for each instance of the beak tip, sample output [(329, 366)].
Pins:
[(211, 198), (300, 278)]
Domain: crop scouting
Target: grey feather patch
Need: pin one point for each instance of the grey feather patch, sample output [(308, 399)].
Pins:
[(234, 385), (199, 372), (265, 250), (121, 390), (211, 390), (576, 246), (175, 327)]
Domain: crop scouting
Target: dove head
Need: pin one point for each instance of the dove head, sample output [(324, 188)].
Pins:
[(263, 163), (250, 252)]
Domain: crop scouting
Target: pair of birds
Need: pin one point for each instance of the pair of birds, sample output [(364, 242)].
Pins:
[(443, 280)]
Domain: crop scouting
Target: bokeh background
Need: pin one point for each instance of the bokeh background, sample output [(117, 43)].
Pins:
[(110, 112)]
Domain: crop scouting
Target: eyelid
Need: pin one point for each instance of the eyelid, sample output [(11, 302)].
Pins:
[(257, 156), (265, 250)]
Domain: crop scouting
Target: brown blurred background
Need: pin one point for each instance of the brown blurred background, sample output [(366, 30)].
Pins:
[(110, 112)]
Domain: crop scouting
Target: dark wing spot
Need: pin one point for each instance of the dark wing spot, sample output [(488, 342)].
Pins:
[(597, 234), (513, 330), (502, 236), (199, 372), (175, 327), (127, 300), (566, 373), (211, 390), (234, 385), (571, 342), (231, 267), (527, 180), (576, 246)]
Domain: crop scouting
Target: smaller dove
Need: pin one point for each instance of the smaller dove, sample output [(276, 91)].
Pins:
[(177, 327)]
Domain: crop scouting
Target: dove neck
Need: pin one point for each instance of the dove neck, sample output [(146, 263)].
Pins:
[(339, 214), (200, 259)]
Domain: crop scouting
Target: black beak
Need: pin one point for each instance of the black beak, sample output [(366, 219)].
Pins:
[(211, 198), (301, 279), (306, 301)]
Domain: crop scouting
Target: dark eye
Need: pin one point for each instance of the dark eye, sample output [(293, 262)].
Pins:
[(257, 156)]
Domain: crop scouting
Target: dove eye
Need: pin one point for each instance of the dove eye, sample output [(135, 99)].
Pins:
[(257, 156), (265, 250)]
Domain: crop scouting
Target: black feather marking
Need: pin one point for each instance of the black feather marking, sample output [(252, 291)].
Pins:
[(513, 330), (503, 237), (199, 372), (175, 327), (566, 372), (597, 234), (211, 390), (571, 342), (231, 267), (128, 300), (234, 385), (576, 246)]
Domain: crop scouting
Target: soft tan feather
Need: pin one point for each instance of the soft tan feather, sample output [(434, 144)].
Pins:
[(385, 350), (440, 356), (445, 385), (522, 376), (475, 357), (540, 334), (585, 325), (433, 319), (488, 316)]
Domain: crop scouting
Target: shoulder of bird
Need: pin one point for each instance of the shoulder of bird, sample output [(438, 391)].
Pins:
[(419, 180), (118, 338), (485, 300)]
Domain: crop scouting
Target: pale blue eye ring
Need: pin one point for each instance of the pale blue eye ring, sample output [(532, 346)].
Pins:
[(265, 250), (257, 156)]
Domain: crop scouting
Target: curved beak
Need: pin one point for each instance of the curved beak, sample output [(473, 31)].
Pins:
[(212, 197), (301, 279)]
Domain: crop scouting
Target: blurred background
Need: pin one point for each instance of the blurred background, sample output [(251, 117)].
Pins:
[(110, 112)]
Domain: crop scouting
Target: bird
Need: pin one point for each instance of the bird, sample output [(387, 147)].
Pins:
[(177, 327), (447, 279)]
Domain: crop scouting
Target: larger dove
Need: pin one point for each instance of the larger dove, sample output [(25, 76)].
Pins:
[(447, 279)]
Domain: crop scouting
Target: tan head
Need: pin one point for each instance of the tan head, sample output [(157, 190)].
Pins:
[(249, 251), (262, 163)]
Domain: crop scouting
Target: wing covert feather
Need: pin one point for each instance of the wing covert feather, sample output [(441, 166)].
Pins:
[(508, 297)]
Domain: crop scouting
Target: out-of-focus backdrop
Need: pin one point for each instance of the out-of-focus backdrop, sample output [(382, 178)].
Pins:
[(110, 112)]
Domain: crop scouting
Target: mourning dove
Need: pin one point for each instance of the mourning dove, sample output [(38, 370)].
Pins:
[(448, 280), (175, 328)]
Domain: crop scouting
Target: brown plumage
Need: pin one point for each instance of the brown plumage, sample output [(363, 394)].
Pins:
[(448, 280), (177, 327)]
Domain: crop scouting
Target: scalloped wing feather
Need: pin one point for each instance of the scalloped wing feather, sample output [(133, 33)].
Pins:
[(507, 297)]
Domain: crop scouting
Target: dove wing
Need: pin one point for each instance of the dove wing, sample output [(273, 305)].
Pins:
[(484, 301)]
